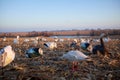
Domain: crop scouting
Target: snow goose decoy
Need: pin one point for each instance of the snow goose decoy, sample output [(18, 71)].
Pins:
[(4, 39), (7, 55), (74, 55), (16, 41), (50, 45)]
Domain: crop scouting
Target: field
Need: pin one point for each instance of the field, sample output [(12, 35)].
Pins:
[(51, 67)]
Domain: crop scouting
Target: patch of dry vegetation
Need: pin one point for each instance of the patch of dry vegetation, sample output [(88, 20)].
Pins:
[(51, 67)]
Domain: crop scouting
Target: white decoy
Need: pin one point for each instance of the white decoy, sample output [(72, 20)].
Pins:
[(7, 55), (18, 37), (32, 39), (106, 39), (16, 41), (44, 39), (4, 39), (35, 42), (96, 40), (50, 45), (26, 40), (37, 38), (74, 55), (75, 40), (82, 40), (61, 40), (56, 40)]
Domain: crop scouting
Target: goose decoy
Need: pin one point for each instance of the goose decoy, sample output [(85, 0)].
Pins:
[(74, 43), (87, 46), (50, 45), (4, 39), (16, 41), (7, 55), (74, 55), (100, 48), (34, 52)]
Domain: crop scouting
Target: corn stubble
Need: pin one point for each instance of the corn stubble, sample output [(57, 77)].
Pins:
[(51, 67)]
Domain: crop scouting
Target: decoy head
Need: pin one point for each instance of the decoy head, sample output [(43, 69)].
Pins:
[(40, 51), (46, 45), (90, 48)]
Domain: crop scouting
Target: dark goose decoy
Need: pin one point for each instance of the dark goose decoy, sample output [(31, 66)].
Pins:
[(100, 48), (34, 52)]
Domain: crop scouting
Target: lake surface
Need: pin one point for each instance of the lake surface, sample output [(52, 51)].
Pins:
[(68, 36)]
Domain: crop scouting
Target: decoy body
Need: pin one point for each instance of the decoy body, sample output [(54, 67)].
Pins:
[(34, 52), (75, 55), (97, 48), (7, 55), (100, 48), (50, 45)]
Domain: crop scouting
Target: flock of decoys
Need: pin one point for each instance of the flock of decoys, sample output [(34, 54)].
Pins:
[(7, 54)]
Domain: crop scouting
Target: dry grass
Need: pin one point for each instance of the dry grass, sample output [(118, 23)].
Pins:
[(50, 67)]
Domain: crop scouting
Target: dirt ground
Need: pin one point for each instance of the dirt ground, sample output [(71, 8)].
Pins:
[(51, 67)]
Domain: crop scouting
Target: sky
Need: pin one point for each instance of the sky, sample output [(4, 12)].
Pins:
[(47, 15)]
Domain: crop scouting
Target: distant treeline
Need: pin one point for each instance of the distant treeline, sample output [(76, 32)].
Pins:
[(62, 32)]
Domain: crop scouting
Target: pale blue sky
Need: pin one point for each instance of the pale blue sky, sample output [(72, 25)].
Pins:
[(41, 15)]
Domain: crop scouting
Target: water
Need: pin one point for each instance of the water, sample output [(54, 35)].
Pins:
[(68, 36)]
